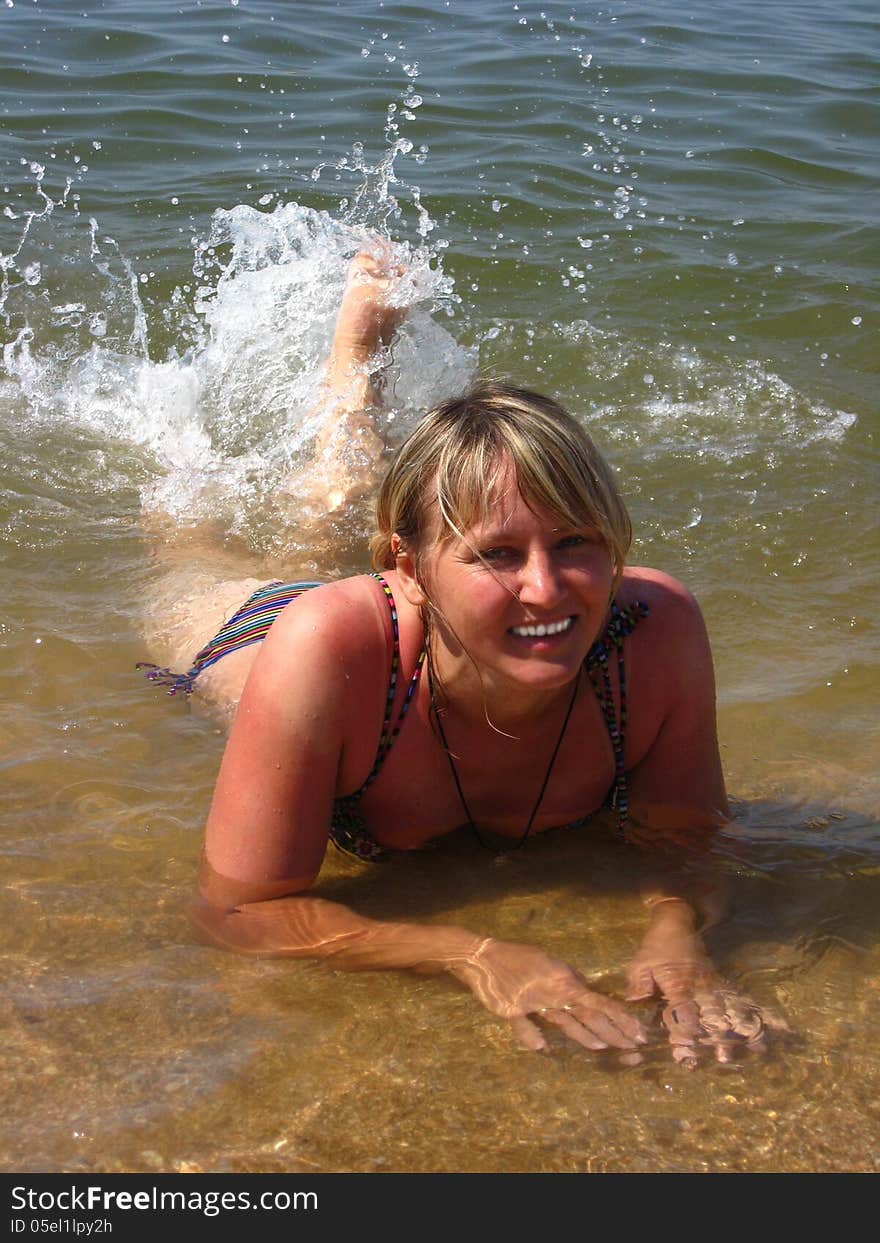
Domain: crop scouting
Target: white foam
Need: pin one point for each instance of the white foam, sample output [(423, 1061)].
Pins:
[(699, 405)]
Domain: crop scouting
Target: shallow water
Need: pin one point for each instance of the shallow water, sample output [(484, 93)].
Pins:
[(700, 284)]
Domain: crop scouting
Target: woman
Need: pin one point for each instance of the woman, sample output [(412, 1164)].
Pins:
[(503, 669)]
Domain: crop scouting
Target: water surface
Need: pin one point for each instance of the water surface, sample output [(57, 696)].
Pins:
[(663, 216)]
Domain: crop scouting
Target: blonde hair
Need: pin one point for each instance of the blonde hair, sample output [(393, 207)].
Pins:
[(455, 460)]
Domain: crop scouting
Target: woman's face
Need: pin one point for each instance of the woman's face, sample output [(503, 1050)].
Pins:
[(521, 596)]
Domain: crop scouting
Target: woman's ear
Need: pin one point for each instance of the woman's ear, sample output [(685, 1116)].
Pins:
[(407, 575)]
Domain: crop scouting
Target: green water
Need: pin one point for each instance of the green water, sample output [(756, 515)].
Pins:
[(664, 217)]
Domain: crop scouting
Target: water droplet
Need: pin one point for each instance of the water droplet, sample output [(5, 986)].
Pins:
[(689, 155), (732, 260), (224, 38), (496, 205), (856, 319)]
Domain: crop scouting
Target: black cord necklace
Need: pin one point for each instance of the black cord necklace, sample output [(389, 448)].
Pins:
[(521, 841)]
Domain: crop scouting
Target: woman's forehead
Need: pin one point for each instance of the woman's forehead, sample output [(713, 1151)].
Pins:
[(510, 509), (496, 506), (511, 515)]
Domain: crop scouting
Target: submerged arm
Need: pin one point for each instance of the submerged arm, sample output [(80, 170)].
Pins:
[(268, 828), (678, 803)]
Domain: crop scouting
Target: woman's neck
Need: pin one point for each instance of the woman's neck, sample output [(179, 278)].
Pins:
[(480, 697)]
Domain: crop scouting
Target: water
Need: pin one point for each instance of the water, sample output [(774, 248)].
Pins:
[(664, 217)]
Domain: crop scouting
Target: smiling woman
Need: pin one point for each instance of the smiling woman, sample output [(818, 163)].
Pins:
[(558, 680)]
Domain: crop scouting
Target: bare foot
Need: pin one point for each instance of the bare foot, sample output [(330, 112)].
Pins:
[(348, 447), (366, 320)]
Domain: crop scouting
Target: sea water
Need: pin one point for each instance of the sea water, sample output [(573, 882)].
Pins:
[(661, 214)]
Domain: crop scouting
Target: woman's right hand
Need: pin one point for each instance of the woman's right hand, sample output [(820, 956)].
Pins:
[(521, 983)]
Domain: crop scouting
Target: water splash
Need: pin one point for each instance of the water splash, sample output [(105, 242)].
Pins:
[(221, 416)]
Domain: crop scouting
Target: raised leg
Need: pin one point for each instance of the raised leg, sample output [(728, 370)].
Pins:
[(204, 583), (348, 445)]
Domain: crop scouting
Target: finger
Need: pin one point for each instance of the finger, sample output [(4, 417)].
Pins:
[(627, 1023), (528, 1034), (743, 1015), (620, 1031), (714, 1014), (575, 1030), (641, 984), (775, 1022), (682, 1022), (724, 1047), (758, 1044), (719, 1026)]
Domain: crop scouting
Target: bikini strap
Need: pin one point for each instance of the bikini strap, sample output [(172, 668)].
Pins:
[(389, 733), (621, 624)]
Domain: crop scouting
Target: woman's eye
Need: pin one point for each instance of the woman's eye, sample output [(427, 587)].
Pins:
[(496, 554), (588, 537)]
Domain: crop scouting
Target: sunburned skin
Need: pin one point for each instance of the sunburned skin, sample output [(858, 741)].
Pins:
[(515, 607), (522, 573)]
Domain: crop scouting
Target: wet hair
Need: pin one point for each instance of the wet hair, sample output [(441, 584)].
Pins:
[(456, 461)]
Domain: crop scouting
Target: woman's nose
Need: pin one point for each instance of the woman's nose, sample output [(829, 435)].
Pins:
[(540, 581)]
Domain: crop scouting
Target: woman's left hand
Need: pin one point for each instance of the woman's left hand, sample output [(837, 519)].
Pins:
[(699, 1007)]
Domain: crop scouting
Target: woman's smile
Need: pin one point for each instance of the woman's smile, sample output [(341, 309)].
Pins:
[(541, 630), (523, 596)]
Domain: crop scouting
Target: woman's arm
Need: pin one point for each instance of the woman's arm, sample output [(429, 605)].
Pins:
[(268, 828), (678, 802)]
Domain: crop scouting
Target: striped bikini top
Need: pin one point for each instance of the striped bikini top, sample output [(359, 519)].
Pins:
[(349, 831)]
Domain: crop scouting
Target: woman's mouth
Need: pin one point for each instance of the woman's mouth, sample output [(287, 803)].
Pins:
[(542, 630)]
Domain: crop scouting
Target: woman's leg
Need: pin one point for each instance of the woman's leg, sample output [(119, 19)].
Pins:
[(348, 446), (194, 599)]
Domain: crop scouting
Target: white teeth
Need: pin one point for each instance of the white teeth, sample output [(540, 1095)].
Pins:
[(538, 632)]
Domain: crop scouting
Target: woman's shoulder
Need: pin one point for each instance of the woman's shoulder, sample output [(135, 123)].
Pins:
[(672, 608), (348, 620)]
